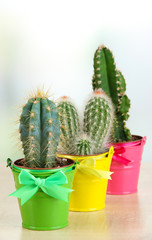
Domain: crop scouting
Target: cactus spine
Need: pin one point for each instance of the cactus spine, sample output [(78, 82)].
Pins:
[(39, 131), (112, 82), (70, 126)]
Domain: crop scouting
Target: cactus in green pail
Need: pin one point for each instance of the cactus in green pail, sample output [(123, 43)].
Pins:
[(112, 82), (98, 119), (39, 131), (70, 125)]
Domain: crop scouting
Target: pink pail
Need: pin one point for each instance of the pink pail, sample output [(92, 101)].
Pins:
[(126, 166)]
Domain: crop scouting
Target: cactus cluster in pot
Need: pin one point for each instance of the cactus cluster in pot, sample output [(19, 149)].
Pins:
[(90, 136), (110, 80)]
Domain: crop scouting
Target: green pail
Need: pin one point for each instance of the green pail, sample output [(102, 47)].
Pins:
[(42, 212)]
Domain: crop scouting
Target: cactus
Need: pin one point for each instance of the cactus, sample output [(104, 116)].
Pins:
[(84, 146), (70, 126), (39, 131), (112, 82), (98, 120)]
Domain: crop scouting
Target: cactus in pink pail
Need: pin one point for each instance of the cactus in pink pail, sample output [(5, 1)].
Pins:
[(112, 82)]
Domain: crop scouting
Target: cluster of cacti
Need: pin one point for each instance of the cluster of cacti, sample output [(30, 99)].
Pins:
[(98, 118), (112, 82), (39, 131), (40, 120)]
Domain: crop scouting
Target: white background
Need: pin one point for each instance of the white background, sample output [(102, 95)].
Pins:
[(53, 43)]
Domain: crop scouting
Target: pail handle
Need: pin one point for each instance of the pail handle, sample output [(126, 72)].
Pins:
[(120, 149), (143, 141), (130, 144), (9, 163)]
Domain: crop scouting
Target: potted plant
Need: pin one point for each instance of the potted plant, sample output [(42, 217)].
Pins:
[(128, 148), (86, 145), (43, 181)]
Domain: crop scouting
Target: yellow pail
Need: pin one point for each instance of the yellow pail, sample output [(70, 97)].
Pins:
[(90, 181)]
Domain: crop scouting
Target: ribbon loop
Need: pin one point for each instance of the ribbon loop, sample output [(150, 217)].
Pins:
[(87, 166), (118, 158), (120, 149), (50, 186)]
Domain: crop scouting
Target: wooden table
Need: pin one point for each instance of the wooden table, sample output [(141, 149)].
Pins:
[(127, 217)]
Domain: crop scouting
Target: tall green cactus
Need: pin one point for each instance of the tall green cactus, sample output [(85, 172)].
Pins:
[(70, 126), (39, 131), (98, 120), (112, 82)]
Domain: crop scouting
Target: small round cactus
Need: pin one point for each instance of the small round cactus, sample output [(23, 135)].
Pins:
[(84, 146)]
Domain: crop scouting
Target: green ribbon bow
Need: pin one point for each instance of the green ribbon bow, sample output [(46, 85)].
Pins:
[(50, 186)]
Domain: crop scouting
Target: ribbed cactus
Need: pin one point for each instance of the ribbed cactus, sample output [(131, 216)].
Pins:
[(39, 131), (84, 147), (70, 126), (112, 82), (98, 120)]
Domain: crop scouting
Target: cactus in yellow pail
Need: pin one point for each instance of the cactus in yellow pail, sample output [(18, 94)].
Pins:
[(96, 127), (90, 181), (86, 147)]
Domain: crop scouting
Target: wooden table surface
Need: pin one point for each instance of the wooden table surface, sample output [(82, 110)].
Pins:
[(127, 217)]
